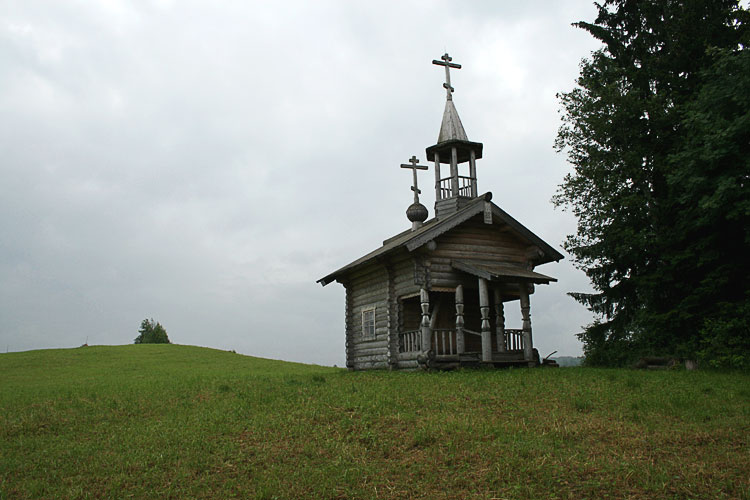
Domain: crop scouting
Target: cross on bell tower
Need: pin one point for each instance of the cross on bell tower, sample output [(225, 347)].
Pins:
[(446, 61), (416, 213), (453, 148)]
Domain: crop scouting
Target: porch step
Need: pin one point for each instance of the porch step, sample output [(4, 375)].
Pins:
[(474, 359), (507, 356)]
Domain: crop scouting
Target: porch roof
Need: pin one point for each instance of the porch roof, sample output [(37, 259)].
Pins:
[(500, 272)]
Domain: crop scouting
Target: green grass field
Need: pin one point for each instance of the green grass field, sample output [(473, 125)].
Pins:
[(168, 421)]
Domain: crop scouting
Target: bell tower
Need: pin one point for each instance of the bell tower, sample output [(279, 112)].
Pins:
[(455, 150)]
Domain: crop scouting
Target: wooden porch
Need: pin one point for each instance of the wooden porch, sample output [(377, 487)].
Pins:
[(445, 354)]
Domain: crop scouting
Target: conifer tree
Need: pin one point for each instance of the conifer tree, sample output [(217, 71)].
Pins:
[(657, 133)]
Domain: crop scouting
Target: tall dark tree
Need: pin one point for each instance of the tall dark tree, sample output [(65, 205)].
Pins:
[(709, 183), (658, 191), (151, 332)]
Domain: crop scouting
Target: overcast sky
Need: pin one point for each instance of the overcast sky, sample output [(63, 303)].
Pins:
[(204, 163)]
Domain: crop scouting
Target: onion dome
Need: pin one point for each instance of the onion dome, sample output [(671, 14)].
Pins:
[(416, 213)]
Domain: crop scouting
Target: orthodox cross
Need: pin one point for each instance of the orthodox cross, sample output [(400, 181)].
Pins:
[(414, 167), (446, 61)]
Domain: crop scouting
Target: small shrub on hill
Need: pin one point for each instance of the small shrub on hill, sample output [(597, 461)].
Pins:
[(152, 332)]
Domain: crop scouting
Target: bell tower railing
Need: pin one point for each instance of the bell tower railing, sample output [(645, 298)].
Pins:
[(465, 187)]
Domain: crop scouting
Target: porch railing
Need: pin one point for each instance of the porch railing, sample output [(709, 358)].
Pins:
[(410, 341), (514, 339), (444, 340)]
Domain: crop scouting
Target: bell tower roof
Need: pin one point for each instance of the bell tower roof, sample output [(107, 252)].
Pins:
[(452, 134), (455, 149), (451, 129)]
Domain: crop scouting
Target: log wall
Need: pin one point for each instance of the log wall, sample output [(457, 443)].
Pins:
[(377, 286), (473, 240), (368, 289)]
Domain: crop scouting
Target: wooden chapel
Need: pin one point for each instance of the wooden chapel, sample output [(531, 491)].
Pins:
[(434, 296)]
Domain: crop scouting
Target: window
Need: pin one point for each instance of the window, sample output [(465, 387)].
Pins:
[(368, 323)]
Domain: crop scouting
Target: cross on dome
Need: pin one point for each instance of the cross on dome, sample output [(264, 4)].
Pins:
[(446, 62), (414, 167)]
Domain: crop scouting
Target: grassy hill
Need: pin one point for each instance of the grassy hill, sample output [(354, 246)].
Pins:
[(168, 421)]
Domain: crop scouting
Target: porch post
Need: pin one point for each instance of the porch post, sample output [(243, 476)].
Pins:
[(460, 345), (424, 296), (528, 347), (499, 320), (484, 308)]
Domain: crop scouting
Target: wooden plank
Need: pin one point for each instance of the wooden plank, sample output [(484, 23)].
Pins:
[(369, 365), (375, 358), (366, 285), (379, 351), (408, 365), (359, 339), (467, 244), (473, 252), (369, 298), (371, 278), (489, 235), (367, 273), (441, 266), (363, 343), (374, 286), (479, 252), (445, 279), (369, 286), (366, 303), (372, 358), (405, 281), (377, 340), (405, 356), (404, 276), (374, 267), (366, 300), (493, 235), (402, 291), (481, 233)]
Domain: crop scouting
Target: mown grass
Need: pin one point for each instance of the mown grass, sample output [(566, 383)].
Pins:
[(151, 421)]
